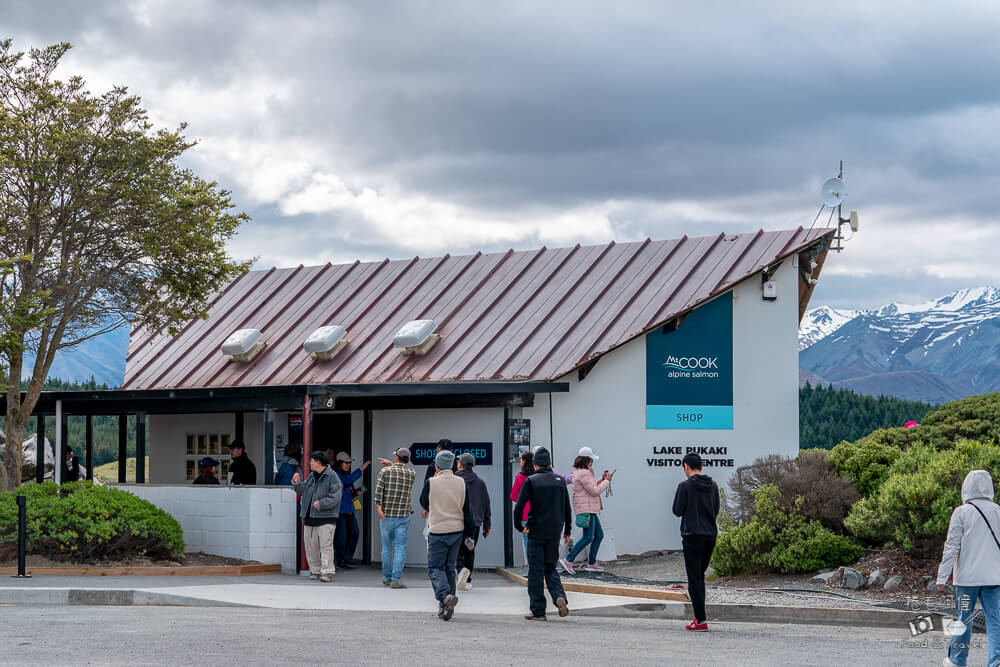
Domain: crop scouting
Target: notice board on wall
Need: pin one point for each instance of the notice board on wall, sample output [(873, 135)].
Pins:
[(689, 371)]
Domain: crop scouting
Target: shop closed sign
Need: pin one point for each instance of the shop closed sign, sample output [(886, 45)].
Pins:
[(423, 453)]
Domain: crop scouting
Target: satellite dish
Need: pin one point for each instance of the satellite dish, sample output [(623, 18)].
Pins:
[(833, 192)]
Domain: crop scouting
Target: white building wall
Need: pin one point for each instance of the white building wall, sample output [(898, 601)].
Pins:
[(607, 412), (251, 523), (401, 428), (166, 441)]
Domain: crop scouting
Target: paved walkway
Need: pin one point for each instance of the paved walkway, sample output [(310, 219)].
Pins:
[(359, 590)]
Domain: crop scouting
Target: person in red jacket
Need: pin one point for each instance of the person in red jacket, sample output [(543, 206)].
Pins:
[(527, 469)]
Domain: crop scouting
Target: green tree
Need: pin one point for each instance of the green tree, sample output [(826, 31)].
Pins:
[(105, 228)]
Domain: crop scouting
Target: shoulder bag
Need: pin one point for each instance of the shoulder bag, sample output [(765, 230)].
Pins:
[(988, 526)]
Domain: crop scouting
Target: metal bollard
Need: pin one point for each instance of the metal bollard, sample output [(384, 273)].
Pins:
[(22, 503)]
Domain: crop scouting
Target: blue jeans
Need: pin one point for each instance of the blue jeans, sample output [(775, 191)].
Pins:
[(592, 535), (965, 605), (442, 552), (395, 532)]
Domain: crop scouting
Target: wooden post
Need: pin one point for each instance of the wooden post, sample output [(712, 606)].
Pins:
[(140, 447)]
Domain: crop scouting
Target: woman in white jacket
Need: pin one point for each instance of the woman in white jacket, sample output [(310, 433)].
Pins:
[(972, 557)]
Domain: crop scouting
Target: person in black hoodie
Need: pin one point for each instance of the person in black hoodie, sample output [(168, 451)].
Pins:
[(550, 519), (479, 503), (696, 502)]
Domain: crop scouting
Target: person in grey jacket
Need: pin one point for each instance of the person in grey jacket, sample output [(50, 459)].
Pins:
[(971, 556), (319, 509)]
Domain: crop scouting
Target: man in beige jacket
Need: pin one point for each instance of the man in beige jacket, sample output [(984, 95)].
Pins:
[(450, 521)]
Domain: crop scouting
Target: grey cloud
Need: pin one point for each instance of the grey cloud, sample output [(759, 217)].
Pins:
[(517, 107)]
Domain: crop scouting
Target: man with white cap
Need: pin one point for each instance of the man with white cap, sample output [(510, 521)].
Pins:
[(971, 557), (587, 506)]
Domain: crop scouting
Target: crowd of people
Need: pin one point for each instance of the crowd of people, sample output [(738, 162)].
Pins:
[(456, 503)]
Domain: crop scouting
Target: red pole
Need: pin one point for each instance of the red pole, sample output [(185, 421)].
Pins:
[(306, 452)]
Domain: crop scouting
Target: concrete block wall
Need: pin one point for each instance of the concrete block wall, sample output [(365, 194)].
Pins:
[(250, 523)]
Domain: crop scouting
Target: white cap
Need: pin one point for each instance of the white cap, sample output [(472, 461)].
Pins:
[(589, 453)]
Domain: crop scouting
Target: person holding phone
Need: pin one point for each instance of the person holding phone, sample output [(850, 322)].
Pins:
[(587, 505)]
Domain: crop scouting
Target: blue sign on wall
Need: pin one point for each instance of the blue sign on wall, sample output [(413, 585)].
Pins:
[(422, 453), (689, 371)]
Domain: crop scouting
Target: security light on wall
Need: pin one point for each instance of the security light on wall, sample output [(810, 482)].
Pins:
[(326, 342), (417, 337), (244, 345)]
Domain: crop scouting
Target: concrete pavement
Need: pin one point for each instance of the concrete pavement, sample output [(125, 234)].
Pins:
[(62, 635)]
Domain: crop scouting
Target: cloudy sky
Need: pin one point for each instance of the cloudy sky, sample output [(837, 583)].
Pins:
[(371, 130)]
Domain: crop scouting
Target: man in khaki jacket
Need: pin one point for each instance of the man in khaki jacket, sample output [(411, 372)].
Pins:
[(450, 521)]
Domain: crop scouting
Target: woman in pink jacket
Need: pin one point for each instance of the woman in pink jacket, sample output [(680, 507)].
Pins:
[(587, 500)]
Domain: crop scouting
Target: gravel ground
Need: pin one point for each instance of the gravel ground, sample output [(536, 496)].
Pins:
[(666, 570)]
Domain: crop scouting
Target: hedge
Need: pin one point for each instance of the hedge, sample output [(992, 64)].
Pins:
[(79, 521)]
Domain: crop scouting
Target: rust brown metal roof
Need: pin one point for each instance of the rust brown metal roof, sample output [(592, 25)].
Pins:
[(508, 316)]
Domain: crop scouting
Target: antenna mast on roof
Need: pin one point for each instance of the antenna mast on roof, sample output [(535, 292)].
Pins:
[(832, 194)]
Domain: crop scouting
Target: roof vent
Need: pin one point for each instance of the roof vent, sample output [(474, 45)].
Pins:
[(417, 337), (326, 342), (244, 344)]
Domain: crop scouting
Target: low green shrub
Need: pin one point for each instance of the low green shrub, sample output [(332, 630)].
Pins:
[(866, 461), (779, 538), (970, 418), (79, 521), (913, 506)]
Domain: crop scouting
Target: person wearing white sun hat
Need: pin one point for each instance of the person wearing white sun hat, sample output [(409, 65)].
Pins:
[(587, 506)]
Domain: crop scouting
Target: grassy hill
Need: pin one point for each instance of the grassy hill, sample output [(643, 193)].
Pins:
[(108, 473)]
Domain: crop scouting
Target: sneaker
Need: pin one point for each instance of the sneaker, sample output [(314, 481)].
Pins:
[(696, 626), (347, 566), (592, 568), (567, 566), (448, 607), (386, 582), (468, 586), (463, 578), (532, 617), (563, 607), (326, 578), (947, 662), (314, 577), (396, 584)]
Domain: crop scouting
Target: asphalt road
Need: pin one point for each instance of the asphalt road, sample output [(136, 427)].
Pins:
[(64, 635)]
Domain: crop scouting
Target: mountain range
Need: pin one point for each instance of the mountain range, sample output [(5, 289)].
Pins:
[(102, 358), (935, 351)]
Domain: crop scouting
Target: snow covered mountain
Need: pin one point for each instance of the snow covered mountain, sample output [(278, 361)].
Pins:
[(102, 357), (934, 351), (822, 321)]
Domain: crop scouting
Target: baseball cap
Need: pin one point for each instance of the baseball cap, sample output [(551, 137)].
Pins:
[(589, 453), (207, 461), (343, 456), (402, 451)]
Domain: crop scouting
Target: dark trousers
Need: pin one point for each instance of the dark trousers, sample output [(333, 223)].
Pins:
[(542, 557), (345, 540), (442, 552), (697, 554), (467, 558)]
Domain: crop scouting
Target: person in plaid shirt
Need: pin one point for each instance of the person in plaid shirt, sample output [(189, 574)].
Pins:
[(393, 500)]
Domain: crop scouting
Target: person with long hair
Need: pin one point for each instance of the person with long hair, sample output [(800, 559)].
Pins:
[(527, 470), (587, 506)]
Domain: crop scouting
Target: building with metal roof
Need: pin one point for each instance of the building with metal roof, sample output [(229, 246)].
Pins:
[(641, 350)]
